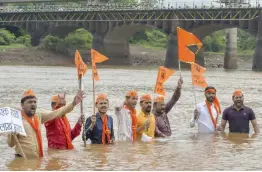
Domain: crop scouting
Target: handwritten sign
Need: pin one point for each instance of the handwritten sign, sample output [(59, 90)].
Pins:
[(159, 88), (11, 121), (197, 73), (163, 75)]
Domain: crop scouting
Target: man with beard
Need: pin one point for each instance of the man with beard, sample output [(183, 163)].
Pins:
[(58, 131), (238, 115), (206, 113), (99, 128), (145, 118), (32, 145), (161, 110), (126, 118)]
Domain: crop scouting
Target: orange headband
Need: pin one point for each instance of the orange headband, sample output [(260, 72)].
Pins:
[(101, 97), (237, 92), (28, 93), (159, 99), (145, 97), (132, 93), (54, 99), (211, 90)]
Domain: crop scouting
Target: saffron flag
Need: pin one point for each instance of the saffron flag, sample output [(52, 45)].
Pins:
[(163, 75), (184, 39), (96, 58), (80, 65), (197, 73)]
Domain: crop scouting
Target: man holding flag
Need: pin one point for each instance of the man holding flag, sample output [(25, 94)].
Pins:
[(160, 110), (99, 128), (58, 131), (206, 113)]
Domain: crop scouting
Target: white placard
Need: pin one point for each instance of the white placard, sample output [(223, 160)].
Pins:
[(11, 121)]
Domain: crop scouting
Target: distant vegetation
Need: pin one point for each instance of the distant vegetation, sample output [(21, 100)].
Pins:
[(82, 39), (9, 39)]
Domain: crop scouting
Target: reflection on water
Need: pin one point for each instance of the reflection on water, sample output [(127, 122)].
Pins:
[(185, 150)]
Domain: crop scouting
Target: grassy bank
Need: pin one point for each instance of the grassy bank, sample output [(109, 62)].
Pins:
[(12, 46)]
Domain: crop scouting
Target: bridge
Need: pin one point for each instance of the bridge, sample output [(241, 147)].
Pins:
[(112, 24)]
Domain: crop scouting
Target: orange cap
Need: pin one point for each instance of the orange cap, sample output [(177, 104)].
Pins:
[(28, 93), (54, 99), (101, 97), (159, 99), (131, 93), (237, 92), (145, 97), (210, 90)]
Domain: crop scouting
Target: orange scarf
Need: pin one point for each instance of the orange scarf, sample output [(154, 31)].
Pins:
[(217, 108), (105, 130), (35, 125), (66, 128), (134, 121)]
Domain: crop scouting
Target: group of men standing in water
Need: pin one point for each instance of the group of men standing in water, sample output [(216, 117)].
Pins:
[(150, 122)]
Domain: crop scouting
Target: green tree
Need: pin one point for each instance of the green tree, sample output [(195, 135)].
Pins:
[(80, 38), (6, 37)]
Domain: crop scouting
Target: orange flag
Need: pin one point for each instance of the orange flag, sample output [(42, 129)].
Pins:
[(197, 73), (163, 75), (80, 65), (96, 58), (185, 39)]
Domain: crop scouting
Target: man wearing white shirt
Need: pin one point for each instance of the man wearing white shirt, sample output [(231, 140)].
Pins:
[(126, 118), (206, 113)]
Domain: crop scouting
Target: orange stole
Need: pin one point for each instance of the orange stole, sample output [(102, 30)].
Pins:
[(134, 122), (35, 126), (211, 115), (66, 127), (105, 130)]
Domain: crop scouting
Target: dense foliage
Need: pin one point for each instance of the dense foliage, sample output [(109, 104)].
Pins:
[(81, 38)]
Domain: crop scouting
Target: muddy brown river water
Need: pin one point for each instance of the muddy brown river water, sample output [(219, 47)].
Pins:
[(185, 150)]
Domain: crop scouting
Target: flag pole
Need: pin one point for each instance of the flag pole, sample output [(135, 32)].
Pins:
[(179, 67), (19, 146), (194, 93), (94, 110), (193, 85), (82, 111)]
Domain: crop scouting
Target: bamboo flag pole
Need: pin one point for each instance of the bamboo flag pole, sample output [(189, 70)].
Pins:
[(81, 70), (94, 103), (19, 146), (82, 111), (193, 85)]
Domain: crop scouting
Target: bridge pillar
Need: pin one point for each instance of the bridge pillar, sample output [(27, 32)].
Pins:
[(98, 43), (257, 58), (200, 57), (230, 57), (117, 51), (171, 60)]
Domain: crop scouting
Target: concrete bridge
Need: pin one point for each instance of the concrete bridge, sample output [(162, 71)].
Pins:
[(112, 28)]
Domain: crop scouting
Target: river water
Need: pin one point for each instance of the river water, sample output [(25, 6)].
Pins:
[(185, 150)]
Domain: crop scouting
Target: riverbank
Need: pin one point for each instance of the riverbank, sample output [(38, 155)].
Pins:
[(141, 58)]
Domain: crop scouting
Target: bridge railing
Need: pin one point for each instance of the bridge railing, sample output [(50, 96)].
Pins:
[(46, 7)]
